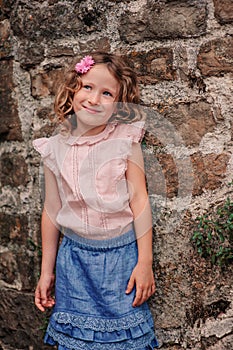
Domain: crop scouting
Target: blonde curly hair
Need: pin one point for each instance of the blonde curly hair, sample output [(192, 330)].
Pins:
[(128, 94)]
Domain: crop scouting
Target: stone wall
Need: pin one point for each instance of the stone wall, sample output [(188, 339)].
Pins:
[(183, 54)]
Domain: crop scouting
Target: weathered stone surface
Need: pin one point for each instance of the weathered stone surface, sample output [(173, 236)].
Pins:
[(8, 267), (231, 130), (101, 44), (153, 66), (215, 165), (13, 229), (191, 121), (17, 261), (162, 175), (59, 51), (26, 265), (222, 344), (6, 42), (176, 19), (17, 316), (45, 113), (45, 131), (223, 11), (216, 57), (209, 171), (37, 21), (10, 127), (6, 7), (46, 83), (29, 54), (14, 171), (17, 268)]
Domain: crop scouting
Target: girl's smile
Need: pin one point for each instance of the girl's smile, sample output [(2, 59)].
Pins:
[(95, 102)]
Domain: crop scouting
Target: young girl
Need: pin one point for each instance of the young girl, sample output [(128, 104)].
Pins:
[(95, 194)]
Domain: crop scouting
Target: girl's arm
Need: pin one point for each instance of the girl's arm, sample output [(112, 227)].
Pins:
[(142, 274), (50, 238)]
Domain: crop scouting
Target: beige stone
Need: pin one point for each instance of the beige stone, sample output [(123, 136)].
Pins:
[(216, 57)]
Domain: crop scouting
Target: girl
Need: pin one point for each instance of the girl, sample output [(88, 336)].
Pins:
[(95, 194)]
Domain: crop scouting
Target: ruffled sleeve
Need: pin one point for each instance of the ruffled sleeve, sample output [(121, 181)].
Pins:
[(134, 131), (44, 147)]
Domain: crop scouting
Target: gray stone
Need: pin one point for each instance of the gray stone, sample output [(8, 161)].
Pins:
[(175, 19)]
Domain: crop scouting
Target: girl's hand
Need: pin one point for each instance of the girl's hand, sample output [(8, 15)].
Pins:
[(43, 298), (143, 277)]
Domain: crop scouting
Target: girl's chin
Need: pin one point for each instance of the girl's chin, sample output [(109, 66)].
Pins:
[(92, 119), (97, 115)]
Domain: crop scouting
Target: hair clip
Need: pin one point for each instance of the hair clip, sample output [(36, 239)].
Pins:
[(84, 65)]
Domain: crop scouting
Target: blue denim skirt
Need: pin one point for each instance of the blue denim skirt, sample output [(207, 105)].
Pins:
[(92, 311)]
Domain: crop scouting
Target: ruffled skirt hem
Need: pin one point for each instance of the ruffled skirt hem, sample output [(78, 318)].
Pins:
[(66, 331)]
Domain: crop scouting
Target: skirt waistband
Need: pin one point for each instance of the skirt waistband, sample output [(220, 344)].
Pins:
[(115, 242)]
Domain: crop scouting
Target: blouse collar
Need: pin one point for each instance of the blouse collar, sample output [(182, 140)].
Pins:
[(90, 140)]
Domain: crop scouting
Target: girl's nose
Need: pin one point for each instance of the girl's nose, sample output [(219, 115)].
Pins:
[(94, 98)]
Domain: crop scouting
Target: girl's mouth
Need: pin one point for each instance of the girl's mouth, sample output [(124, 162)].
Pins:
[(92, 110)]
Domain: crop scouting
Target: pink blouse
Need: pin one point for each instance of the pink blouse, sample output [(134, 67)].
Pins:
[(90, 173)]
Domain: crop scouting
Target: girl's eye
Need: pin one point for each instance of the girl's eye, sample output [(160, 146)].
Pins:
[(87, 87), (107, 93)]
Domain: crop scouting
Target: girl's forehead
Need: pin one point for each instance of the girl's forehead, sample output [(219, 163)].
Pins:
[(100, 71)]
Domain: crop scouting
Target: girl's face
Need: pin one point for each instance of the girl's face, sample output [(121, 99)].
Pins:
[(95, 102)]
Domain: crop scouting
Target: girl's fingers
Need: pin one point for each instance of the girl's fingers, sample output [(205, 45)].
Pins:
[(42, 301), (143, 295), (38, 301), (153, 289), (130, 285), (138, 297)]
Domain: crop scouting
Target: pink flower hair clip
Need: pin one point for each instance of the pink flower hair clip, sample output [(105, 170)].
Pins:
[(84, 65)]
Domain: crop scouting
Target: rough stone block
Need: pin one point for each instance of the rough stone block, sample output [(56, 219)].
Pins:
[(14, 170), (216, 57), (223, 11), (43, 21), (46, 82), (56, 50), (209, 171), (13, 229), (45, 113), (45, 131), (6, 7), (175, 19), (22, 326), (10, 126), (216, 166), (154, 66), (191, 121), (6, 41), (18, 255), (30, 54), (8, 267), (156, 176), (102, 44)]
